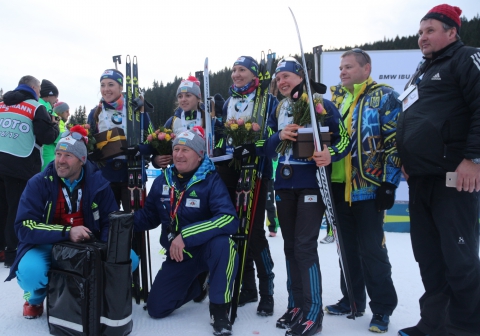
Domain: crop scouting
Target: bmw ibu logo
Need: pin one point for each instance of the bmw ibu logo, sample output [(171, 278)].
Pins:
[(117, 118)]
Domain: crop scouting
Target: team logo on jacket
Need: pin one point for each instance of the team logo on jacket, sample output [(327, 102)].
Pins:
[(310, 199), (436, 77), (165, 189), (193, 194), (375, 102), (192, 203)]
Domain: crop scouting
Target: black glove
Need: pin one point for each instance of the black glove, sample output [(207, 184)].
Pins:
[(137, 103), (131, 151), (385, 196), (244, 151), (96, 155), (217, 152)]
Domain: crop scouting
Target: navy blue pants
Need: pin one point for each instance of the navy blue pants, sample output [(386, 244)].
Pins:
[(176, 283), (361, 227), (300, 213), (444, 231)]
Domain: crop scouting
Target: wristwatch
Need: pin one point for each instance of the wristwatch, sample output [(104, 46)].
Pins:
[(476, 161)]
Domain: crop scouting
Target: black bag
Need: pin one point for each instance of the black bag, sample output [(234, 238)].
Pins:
[(75, 288), (89, 284)]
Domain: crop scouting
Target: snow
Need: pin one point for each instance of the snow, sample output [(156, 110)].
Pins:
[(193, 318)]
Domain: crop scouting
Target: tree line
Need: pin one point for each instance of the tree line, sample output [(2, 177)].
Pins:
[(163, 96)]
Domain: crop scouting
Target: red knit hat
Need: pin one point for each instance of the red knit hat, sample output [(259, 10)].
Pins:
[(446, 14)]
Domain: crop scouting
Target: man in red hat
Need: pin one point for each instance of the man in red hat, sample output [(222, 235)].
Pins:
[(439, 132)]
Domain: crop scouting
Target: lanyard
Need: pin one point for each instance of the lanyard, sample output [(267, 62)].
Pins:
[(67, 199), (173, 210)]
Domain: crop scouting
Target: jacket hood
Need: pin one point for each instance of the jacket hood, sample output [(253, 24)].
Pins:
[(205, 168), (16, 97)]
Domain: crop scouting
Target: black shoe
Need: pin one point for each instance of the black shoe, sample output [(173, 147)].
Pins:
[(203, 279), (265, 307), (305, 327), (412, 331), (291, 316), (219, 319), (247, 296), (379, 323), (341, 308)]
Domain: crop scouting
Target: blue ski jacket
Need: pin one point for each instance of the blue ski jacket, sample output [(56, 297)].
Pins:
[(304, 170), (205, 210), (33, 224)]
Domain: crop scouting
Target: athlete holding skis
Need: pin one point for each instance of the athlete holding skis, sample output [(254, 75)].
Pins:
[(299, 203), (112, 112), (241, 104)]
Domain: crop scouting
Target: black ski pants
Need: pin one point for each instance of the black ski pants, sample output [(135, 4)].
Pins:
[(361, 228), (258, 250), (444, 231), (11, 190), (300, 212)]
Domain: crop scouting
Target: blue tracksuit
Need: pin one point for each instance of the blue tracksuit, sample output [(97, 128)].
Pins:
[(205, 219)]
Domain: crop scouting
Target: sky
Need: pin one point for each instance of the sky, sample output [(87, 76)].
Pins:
[(71, 43)]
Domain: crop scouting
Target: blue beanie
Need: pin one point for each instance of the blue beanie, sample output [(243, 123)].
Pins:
[(289, 64), (249, 63), (113, 74)]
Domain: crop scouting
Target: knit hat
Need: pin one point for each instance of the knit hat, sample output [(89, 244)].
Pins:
[(249, 63), (113, 74), (74, 141), (60, 107), (446, 14), (192, 85), (48, 89), (289, 64), (194, 139)]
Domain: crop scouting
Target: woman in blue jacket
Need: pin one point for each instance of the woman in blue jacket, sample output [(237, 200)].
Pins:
[(299, 204), (192, 203)]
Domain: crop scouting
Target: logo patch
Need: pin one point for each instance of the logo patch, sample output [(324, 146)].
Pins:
[(193, 194), (436, 77), (461, 241), (165, 189), (310, 199), (375, 102), (192, 203), (277, 198)]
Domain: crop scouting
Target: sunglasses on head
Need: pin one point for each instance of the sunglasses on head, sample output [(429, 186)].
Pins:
[(75, 135), (360, 51)]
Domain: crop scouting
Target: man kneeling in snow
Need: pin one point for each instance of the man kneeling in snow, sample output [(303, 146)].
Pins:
[(193, 205)]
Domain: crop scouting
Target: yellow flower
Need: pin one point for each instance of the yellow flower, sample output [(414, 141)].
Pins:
[(167, 137), (234, 126), (248, 126)]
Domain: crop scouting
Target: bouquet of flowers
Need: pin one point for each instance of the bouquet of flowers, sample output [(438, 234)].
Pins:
[(239, 132), (161, 140), (301, 115)]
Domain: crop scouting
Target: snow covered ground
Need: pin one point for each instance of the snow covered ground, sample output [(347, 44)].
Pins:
[(193, 319)]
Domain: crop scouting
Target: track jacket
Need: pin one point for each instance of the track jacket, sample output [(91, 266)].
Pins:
[(304, 170), (374, 158), (205, 211), (33, 224), (443, 126)]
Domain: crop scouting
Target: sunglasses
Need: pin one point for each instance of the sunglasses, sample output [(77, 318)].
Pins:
[(360, 51), (75, 135)]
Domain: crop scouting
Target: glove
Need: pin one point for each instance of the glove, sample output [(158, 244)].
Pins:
[(131, 151), (385, 196), (137, 103), (217, 152), (96, 155), (244, 151)]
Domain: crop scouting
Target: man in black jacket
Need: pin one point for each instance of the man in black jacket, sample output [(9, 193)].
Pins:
[(25, 126), (439, 132)]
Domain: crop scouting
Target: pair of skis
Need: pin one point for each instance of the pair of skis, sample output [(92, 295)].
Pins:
[(249, 182), (136, 182), (326, 188)]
